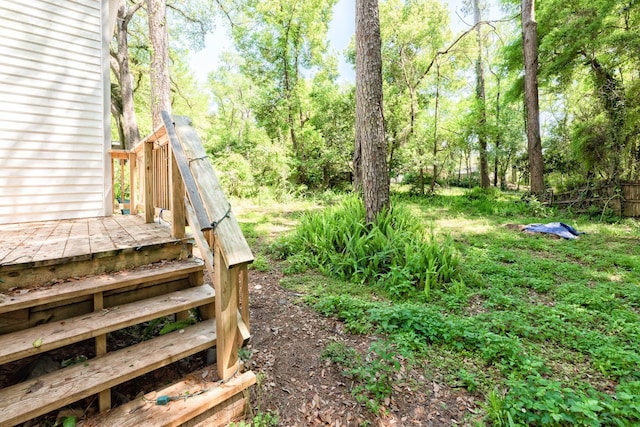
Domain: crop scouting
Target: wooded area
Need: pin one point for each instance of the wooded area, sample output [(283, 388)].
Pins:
[(540, 97), (277, 117)]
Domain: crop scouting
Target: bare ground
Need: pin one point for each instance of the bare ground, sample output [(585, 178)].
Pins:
[(304, 389)]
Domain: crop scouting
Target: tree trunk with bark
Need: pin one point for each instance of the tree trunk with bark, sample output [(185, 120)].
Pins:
[(130, 132), (481, 97), (159, 37), (531, 103), (436, 113), (496, 161), (370, 157)]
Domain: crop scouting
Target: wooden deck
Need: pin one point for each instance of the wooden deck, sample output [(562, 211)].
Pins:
[(51, 250), (35, 242)]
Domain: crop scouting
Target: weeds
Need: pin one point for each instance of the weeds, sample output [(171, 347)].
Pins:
[(394, 253), (373, 373), (260, 417), (546, 331)]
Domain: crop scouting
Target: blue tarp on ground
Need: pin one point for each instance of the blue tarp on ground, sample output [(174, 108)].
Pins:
[(558, 228)]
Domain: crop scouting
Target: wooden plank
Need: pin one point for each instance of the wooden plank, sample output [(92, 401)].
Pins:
[(78, 243), (243, 332), (55, 243), (226, 286), (142, 232), (63, 310), (104, 397), (132, 184), (154, 136), (19, 345), (102, 283), (33, 274), (27, 243), (119, 153), (30, 399), (187, 177), (233, 409), (36, 240), (14, 238), (228, 233), (177, 190), (145, 413), (131, 294), (119, 236), (99, 239), (148, 181), (244, 295), (201, 240)]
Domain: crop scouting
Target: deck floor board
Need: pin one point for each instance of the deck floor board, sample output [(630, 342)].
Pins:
[(13, 238), (78, 243), (49, 240)]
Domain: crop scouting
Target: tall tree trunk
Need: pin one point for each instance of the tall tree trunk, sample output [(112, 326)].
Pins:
[(116, 111), (159, 36), (498, 138), (432, 187), (480, 95), (530, 49), (371, 148), (129, 123)]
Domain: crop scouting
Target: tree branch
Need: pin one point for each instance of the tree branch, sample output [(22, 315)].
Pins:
[(132, 11), (457, 40), (176, 87), (203, 27), (226, 13)]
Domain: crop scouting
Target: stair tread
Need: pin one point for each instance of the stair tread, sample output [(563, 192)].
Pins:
[(92, 285), (145, 413), (38, 396), (49, 336)]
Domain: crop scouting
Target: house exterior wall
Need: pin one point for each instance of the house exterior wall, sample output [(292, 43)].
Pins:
[(54, 110)]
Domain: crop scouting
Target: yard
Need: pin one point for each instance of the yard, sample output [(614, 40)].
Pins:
[(529, 330)]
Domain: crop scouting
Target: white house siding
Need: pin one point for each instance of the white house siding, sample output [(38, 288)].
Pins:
[(52, 110)]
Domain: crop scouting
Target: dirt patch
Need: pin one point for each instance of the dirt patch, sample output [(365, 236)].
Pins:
[(304, 389)]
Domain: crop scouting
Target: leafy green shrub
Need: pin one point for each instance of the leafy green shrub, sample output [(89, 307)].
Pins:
[(236, 175), (479, 193), (531, 205), (541, 401), (260, 263), (373, 374), (394, 252)]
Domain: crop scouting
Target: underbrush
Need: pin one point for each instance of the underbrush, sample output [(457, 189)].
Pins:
[(395, 253), (531, 396), (545, 331)]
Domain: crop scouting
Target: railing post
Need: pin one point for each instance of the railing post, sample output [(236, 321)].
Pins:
[(177, 192), (226, 287), (149, 209), (132, 183)]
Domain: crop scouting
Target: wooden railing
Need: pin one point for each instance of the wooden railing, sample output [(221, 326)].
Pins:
[(171, 171), (126, 160)]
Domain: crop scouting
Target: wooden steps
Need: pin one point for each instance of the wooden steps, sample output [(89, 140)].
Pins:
[(92, 285), (29, 307), (27, 400), (49, 336), (226, 399), (92, 307), (28, 274)]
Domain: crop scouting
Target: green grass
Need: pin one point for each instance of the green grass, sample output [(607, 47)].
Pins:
[(545, 331)]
